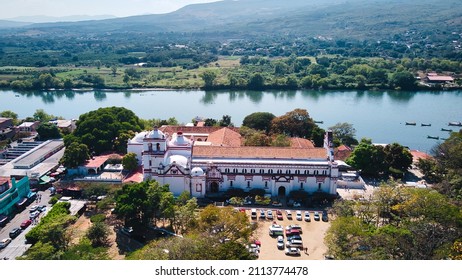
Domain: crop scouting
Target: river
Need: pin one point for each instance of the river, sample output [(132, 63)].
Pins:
[(378, 115)]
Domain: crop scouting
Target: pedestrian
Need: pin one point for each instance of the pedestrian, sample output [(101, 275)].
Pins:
[(306, 250)]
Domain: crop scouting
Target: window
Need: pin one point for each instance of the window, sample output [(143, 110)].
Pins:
[(244, 170), (248, 184), (319, 186), (266, 184), (157, 147), (262, 171), (150, 147), (306, 172), (287, 171), (230, 183)]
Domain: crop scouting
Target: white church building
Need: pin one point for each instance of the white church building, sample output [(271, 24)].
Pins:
[(204, 161)]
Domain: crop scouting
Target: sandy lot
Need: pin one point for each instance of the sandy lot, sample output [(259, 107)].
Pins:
[(312, 236)]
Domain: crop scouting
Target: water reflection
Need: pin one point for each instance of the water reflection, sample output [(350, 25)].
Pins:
[(100, 95)]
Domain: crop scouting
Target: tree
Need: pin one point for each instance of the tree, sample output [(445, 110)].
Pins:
[(281, 140), (256, 81), (225, 121), (296, 123), (344, 133), (398, 157), (11, 115), (75, 154), (114, 70), (402, 80), (101, 129), (98, 234), (48, 131), (259, 121), (208, 76), (130, 162), (368, 158), (41, 116)]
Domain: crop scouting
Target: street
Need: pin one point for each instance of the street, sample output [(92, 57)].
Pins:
[(17, 247)]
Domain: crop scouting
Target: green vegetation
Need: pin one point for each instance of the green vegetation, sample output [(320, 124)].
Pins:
[(395, 225), (376, 160)]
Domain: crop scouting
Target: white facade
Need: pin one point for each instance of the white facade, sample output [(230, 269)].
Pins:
[(201, 170)]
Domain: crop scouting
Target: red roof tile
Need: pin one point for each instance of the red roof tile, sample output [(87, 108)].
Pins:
[(225, 137), (297, 142), (258, 152)]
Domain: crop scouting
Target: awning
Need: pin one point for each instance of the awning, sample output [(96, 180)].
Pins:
[(31, 194), (44, 180), (22, 202)]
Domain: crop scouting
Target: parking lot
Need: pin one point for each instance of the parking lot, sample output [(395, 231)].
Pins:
[(312, 236)]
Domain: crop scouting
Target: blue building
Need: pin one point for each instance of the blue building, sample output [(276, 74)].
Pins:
[(13, 197)]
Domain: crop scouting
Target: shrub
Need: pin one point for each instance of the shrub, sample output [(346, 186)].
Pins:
[(98, 218)]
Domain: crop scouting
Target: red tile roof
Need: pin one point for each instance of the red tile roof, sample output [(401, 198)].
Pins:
[(96, 161), (297, 142), (170, 129), (225, 137), (416, 155), (258, 152), (440, 78)]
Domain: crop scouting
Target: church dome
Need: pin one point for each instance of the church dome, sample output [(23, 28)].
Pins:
[(177, 159), (180, 140), (138, 137), (197, 171), (156, 134)]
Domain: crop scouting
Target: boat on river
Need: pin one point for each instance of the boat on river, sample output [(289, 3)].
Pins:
[(455, 123), (425, 124), (410, 123), (446, 129), (433, 137), (318, 121)]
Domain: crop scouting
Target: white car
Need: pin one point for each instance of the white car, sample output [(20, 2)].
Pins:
[(5, 242), (269, 214), (307, 216), (292, 251), (275, 230), (298, 215), (289, 214), (280, 243), (34, 215)]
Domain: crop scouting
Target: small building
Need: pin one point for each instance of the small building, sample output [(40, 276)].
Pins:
[(7, 130), (434, 78), (28, 126), (65, 126)]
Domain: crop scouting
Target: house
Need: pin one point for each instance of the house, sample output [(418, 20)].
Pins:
[(434, 78), (7, 130), (65, 126), (28, 126), (14, 196)]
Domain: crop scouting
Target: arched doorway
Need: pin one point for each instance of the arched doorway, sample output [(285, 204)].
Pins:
[(282, 192), (214, 187)]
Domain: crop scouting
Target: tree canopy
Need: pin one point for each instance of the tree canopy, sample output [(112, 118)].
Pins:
[(259, 121), (296, 123), (48, 131), (344, 133), (101, 129)]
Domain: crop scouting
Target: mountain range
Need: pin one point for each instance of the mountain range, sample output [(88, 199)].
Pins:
[(335, 18)]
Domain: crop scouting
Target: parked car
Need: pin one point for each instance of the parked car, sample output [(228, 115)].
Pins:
[(307, 216), (298, 215), (297, 204), (262, 214), (292, 251), (42, 208), (290, 232), (5, 242), (25, 224), (294, 243), (34, 215), (296, 226), (34, 208), (276, 229), (269, 214), (279, 214), (253, 213), (280, 242), (325, 217), (128, 231), (316, 216), (15, 232), (289, 214)]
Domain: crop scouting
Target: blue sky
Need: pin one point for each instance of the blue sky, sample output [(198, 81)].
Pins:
[(120, 8)]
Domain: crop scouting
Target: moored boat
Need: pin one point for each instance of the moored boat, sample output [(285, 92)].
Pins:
[(410, 123), (425, 124), (433, 137), (455, 123), (446, 129)]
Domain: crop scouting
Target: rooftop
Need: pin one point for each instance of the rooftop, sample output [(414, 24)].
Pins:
[(258, 152), (297, 142), (225, 137), (38, 154)]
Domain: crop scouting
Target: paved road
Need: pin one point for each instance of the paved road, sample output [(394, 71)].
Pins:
[(17, 247)]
